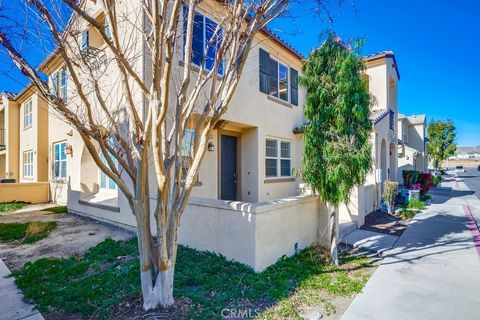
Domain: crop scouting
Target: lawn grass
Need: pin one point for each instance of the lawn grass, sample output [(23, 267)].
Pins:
[(29, 232), (7, 207), (56, 210), (93, 284)]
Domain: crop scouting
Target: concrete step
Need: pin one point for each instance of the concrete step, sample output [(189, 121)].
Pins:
[(346, 227)]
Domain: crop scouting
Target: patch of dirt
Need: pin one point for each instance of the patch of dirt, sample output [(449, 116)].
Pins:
[(382, 222), (72, 236), (132, 309)]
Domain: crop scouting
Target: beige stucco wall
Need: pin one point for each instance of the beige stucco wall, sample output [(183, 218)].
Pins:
[(33, 192)]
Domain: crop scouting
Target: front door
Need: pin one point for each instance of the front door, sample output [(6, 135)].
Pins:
[(228, 179)]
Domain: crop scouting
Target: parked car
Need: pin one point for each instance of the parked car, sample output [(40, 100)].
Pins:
[(459, 169)]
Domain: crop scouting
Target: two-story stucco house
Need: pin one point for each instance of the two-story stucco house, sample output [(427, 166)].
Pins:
[(412, 133), (382, 77), (23, 146), (246, 204)]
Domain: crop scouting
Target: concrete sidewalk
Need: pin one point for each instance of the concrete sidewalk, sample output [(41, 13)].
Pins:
[(12, 306), (433, 272)]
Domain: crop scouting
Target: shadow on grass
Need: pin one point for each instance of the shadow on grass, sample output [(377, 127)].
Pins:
[(94, 285)]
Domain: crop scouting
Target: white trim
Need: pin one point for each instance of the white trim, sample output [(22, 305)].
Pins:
[(278, 158), (60, 161), (29, 103), (279, 62), (30, 163)]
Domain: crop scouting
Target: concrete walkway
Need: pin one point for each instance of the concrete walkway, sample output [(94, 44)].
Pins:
[(370, 241), (12, 306), (433, 272)]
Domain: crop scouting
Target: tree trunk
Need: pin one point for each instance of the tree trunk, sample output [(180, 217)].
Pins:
[(333, 235)]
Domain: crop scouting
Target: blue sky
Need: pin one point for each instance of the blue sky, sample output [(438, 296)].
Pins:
[(435, 43)]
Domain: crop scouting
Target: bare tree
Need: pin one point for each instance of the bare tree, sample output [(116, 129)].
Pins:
[(136, 113)]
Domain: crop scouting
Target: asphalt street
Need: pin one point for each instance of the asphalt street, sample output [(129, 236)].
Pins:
[(471, 177)]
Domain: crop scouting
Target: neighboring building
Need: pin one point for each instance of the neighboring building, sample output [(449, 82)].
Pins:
[(382, 77), (23, 147), (246, 196), (24, 136), (412, 133)]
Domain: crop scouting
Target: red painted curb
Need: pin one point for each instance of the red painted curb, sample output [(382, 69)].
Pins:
[(472, 225)]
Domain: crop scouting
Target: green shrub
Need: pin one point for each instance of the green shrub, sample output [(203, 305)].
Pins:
[(410, 177), (436, 180), (390, 192), (407, 214), (416, 204)]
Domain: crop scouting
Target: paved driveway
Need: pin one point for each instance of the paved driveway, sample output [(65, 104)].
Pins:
[(432, 273)]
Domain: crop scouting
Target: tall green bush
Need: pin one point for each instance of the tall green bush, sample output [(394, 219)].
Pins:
[(337, 154)]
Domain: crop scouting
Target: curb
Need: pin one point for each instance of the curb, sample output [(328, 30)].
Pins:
[(472, 225)]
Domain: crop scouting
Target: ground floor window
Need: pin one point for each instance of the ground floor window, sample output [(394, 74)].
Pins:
[(28, 164), (60, 160), (106, 183), (278, 158)]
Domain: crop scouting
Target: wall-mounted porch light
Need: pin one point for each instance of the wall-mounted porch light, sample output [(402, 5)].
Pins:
[(211, 146), (68, 149)]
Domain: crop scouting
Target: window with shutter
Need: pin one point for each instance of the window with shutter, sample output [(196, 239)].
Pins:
[(203, 32), (264, 71)]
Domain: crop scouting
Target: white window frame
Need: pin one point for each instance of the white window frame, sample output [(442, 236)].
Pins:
[(107, 178), (278, 158), (278, 81), (61, 162), (28, 164), (28, 114)]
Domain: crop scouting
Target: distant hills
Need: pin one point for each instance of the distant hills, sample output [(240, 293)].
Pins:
[(467, 150)]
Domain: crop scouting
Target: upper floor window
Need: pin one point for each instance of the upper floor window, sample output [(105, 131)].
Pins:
[(108, 32), (392, 120), (28, 114), (405, 133), (277, 80), (60, 160), (204, 32), (63, 84), (85, 40), (278, 158), (28, 164), (60, 80)]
